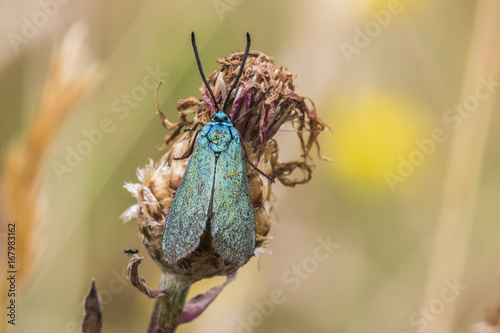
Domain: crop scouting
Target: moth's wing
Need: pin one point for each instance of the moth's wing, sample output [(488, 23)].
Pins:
[(188, 214), (233, 221)]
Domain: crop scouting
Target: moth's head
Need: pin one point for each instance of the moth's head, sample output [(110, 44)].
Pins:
[(221, 117)]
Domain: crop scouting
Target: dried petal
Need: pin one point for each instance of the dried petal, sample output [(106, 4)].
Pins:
[(138, 281), (196, 305)]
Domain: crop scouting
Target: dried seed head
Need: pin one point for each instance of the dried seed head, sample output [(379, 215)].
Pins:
[(263, 101)]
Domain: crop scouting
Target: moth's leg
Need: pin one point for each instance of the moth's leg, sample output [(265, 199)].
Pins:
[(253, 165), (194, 127), (192, 144)]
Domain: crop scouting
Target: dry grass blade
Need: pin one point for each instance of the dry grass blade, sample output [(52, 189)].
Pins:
[(458, 205), (71, 76)]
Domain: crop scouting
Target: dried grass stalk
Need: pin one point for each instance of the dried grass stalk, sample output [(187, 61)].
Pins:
[(71, 76)]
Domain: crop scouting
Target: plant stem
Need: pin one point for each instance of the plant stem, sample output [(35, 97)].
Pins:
[(167, 312)]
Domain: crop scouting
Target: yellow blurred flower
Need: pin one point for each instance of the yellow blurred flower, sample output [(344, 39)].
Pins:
[(370, 133)]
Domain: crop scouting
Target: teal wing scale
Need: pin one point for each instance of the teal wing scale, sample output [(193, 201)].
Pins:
[(186, 219), (233, 221)]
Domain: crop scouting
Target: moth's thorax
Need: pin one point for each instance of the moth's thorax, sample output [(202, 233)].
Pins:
[(219, 136), (219, 132)]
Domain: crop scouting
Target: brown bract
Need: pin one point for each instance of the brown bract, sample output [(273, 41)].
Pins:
[(92, 321)]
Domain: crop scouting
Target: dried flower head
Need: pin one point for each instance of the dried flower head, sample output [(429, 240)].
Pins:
[(263, 101)]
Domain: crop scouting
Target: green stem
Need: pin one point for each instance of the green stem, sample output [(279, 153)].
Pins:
[(167, 313)]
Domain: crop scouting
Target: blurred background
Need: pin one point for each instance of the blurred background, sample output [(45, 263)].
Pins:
[(409, 201)]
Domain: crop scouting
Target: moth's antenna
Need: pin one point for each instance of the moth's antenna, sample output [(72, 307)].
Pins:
[(201, 69), (241, 71)]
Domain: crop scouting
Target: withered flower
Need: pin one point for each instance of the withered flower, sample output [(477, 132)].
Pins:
[(263, 101)]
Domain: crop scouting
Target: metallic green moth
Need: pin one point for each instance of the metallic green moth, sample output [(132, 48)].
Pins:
[(213, 195)]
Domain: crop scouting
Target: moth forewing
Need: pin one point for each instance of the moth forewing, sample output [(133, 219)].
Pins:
[(233, 221), (187, 216)]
